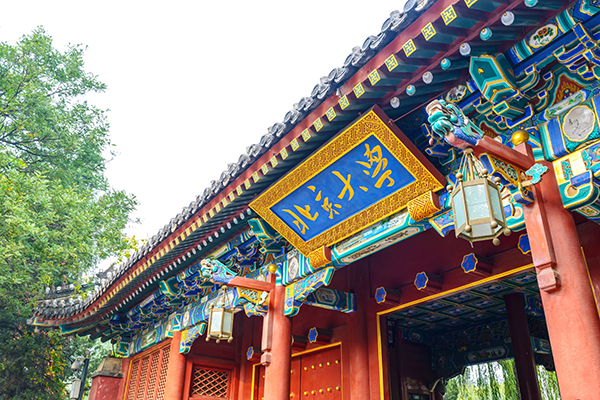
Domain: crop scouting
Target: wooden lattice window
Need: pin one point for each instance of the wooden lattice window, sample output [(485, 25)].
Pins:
[(152, 376), (147, 376), (135, 365), (209, 383), (162, 379), (141, 391)]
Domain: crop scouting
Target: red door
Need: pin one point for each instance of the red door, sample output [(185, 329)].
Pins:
[(316, 374), (321, 374)]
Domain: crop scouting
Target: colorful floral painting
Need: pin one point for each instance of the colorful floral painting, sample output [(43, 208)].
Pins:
[(564, 105), (543, 36)]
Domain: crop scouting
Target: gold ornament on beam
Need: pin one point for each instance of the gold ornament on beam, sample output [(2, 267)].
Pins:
[(476, 203)]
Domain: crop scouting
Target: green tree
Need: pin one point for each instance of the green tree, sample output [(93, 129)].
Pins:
[(509, 374), (497, 380), (58, 215), (453, 389)]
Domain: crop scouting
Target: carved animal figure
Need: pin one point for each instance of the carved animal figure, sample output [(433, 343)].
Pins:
[(450, 123), (215, 271)]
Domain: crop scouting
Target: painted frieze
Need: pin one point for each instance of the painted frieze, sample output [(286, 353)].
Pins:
[(377, 237), (297, 292)]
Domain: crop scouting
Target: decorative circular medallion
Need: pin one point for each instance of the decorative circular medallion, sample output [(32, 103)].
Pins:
[(186, 318), (578, 124), (293, 268)]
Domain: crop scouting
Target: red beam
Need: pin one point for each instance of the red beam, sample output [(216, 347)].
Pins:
[(248, 283), (497, 149)]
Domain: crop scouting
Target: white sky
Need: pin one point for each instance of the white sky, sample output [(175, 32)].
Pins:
[(192, 83)]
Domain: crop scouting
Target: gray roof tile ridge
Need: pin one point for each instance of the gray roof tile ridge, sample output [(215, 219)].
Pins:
[(328, 85)]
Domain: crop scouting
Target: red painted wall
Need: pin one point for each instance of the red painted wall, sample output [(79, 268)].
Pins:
[(105, 388), (589, 234)]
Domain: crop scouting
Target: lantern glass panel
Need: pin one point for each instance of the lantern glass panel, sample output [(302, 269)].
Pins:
[(496, 203), (459, 209), (477, 205), (227, 322), (480, 230), (217, 321)]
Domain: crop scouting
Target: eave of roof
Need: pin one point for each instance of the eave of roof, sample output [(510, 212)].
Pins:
[(207, 216)]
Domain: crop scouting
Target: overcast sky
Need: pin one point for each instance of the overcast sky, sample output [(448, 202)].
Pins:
[(191, 84)]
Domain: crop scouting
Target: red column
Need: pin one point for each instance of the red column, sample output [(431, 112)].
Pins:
[(246, 326), (521, 345), (125, 369), (357, 335), (175, 370), (277, 373), (565, 290)]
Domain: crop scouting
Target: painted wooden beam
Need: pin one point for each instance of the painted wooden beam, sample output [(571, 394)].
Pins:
[(332, 299), (240, 281), (489, 145)]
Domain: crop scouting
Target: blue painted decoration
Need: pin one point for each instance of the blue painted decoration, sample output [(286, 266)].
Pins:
[(297, 292), (380, 294), (536, 172), (443, 223), (295, 266), (469, 263), (331, 299), (574, 125), (188, 337), (376, 237), (360, 178), (524, 244), (250, 353), (312, 335), (421, 280)]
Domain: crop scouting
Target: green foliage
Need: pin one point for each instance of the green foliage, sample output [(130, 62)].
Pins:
[(58, 215), (32, 365), (495, 381), (51, 233), (548, 384), (42, 119), (454, 387), (509, 375)]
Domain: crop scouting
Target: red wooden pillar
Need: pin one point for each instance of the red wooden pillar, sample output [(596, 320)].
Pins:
[(277, 372), (126, 362), (246, 326), (521, 344), (565, 290), (175, 371), (357, 335)]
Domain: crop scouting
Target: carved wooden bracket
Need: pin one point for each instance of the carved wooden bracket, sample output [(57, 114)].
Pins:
[(319, 335), (253, 354), (299, 343), (548, 278), (477, 265)]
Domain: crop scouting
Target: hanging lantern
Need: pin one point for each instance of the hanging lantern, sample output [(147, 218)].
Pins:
[(476, 203), (220, 320)]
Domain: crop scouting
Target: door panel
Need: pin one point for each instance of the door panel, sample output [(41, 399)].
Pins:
[(321, 374), (315, 373)]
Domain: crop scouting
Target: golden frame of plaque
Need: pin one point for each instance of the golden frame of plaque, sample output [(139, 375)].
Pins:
[(372, 126)]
